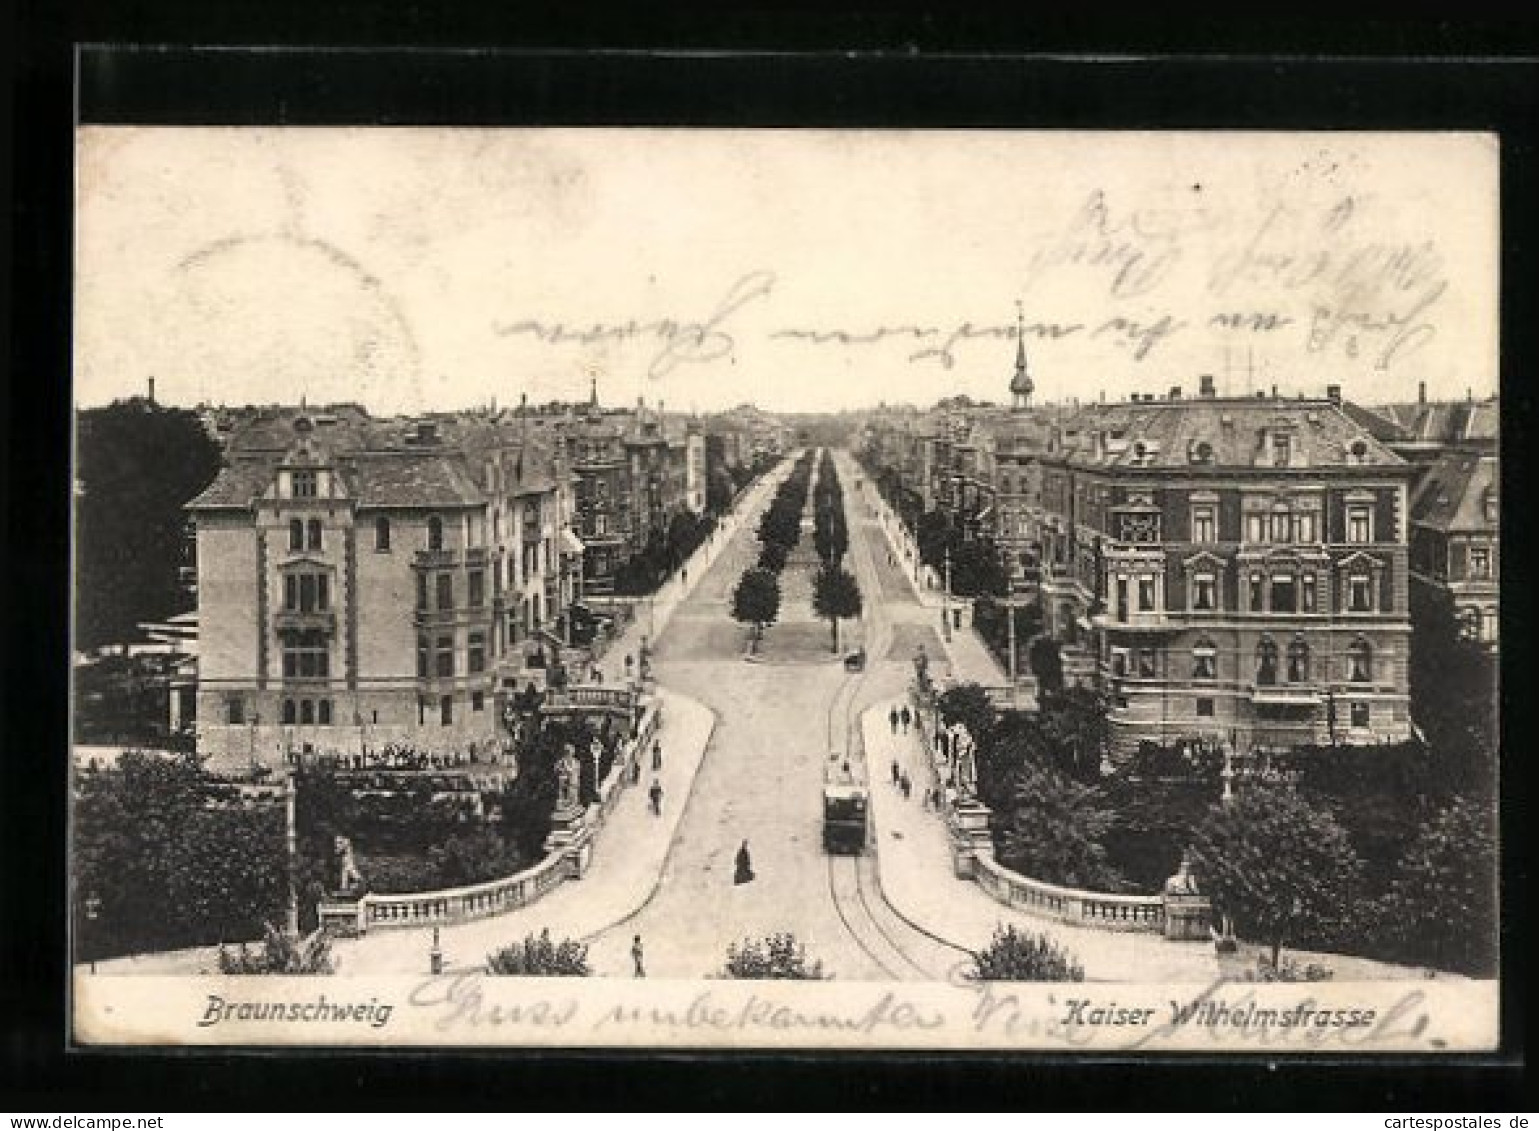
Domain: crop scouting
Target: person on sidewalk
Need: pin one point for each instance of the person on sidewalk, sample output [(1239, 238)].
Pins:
[(744, 871), (906, 785), (630, 663), (896, 780), (684, 576), (906, 718), (656, 794), (637, 954), (657, 755), (892, 717)]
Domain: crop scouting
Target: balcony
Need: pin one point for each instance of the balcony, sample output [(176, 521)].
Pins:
[(1285, 695), (1136, 622), (435, 559), (286, 620)]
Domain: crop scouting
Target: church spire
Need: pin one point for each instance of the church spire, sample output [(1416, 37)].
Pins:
[(1021, 384)]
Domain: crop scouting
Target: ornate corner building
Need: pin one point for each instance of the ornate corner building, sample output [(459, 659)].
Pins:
[(1223, 568)]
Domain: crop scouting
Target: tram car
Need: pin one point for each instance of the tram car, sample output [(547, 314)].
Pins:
[(846, 813)]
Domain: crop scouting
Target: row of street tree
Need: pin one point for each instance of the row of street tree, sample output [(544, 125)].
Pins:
[(835, 592), (756, 599)]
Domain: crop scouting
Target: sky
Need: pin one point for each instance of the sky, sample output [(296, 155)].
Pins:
[(426, 269)]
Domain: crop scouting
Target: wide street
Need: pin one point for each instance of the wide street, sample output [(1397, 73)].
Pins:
[(778, 722)]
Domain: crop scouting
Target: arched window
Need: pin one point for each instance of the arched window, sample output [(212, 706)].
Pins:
[(296, 534), (435, 533), (288, 712), (1298, 661), (382, 534), (306, 712), (315, 534), (1360, 661), (1266, 663)]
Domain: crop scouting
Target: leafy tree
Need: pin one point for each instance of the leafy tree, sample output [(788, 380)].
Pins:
[(1453, 687), (280, 954), (1046, 659), (1057, 831), (835, 596), (1442, 909), (776, 955), (756, 601), (1076, 724), (173, 862), (968, 704), (1280, 866), (138, 464), (1016, 956), (541, 958), (772, 557)]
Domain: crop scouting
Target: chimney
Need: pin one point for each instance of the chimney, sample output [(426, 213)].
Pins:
[(152, 390), (1469, 395), (1421, 392), (1207, 390), (1175, 392), (1274, 392), (1333, 393)]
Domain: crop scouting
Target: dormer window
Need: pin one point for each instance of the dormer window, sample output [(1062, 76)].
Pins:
[(1489, 505), (305, 485), (1282, 449)]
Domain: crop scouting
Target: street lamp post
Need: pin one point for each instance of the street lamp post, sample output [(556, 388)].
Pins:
[(93, 908), (946, 603), (291, 847)]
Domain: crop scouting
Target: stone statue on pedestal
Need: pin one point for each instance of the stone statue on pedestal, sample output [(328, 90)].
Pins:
[(1183, 882), (966, 763), (349, 878), (568, 776)]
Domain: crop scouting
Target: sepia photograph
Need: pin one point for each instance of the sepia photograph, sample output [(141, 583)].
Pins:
[(792, 589)]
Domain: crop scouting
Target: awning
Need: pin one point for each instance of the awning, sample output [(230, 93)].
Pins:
[(570, 543)]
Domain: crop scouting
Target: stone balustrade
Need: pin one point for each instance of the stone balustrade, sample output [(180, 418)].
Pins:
[(379, 911), (1185, 915), (1070, 905)]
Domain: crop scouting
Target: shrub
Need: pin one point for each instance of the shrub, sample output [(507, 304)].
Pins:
[(280, 954), (541, 958), (1015, 956), (777, 955)]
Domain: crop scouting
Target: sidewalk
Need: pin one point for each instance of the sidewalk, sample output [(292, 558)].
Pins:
[(628, 857), (971, 661), (650, 623), (914, 865)]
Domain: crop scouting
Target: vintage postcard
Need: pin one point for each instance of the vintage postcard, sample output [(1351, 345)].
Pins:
[(786, 589)]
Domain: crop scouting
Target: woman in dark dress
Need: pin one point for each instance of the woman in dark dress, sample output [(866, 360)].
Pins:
[(744, 873)]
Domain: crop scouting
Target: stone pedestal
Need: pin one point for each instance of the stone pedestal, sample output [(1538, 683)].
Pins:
[(970, 837), (1188, 917), (342, 914), (571, 835)]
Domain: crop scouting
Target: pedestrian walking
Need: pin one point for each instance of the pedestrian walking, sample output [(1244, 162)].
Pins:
[(895, 778), (906, 717), (743, 874), (892, 717), (656, 794), (906, 785), (657, 755), (630, 662), (637, 954), (684, 575)]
